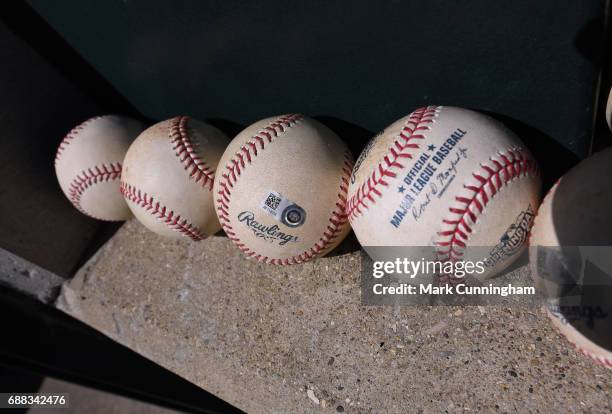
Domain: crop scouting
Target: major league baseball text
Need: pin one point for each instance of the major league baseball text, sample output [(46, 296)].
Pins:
[(445, 177)]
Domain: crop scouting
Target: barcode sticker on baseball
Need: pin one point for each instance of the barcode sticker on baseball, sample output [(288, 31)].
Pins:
[(274, 203)]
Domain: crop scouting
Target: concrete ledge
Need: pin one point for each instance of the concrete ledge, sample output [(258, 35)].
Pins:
[(26, 277), (295, 339)]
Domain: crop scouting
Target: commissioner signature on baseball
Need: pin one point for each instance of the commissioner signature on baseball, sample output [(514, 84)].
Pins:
[(446, 176), (444, 180), (419, 180)]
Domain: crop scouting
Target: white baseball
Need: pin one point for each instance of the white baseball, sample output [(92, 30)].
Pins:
[(448, 178), (168, 176), (570, 259), (281, 190), (88, 165)]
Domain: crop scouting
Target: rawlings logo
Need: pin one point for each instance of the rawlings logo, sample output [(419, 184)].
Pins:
[(270, 234)]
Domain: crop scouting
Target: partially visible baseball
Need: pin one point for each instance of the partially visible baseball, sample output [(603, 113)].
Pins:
[(88, 165), (168, 177), (570, 256), (609, 109), (447, 180), (281, 190)]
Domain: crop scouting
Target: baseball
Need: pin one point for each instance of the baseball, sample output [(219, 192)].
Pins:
[(88, 165), (168, 177), (609, 110), (570, 257), (445, 179), (281, 190)]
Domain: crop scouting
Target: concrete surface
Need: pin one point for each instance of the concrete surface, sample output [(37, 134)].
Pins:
[(28, 278), (295, 339), (90, 401)]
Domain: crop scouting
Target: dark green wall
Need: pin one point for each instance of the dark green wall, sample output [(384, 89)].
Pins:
[(364, 62)]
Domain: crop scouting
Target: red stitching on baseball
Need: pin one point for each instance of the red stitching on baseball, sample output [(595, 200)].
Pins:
[(243, 158), (598, 359), (72, 134), (184, 149), (97, 174), (402, 147), (594, 357), (537, 215), (604, 361), (491, 179), (173, 220)]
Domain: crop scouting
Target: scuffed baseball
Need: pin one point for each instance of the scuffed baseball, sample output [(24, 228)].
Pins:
[(88, 165), (570, 256), (168, 177), (281, 190), (450, 179)]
